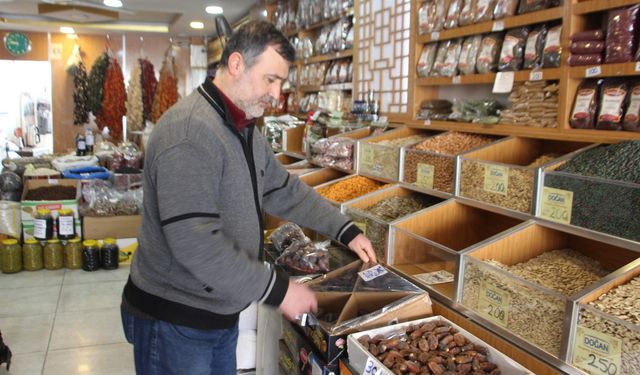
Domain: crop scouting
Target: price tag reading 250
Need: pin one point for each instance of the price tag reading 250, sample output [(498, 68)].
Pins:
[(557, 205), (494, 303), (496, 179), (596, 353)]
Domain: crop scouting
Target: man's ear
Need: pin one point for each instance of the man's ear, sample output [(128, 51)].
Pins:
[(235, 64)]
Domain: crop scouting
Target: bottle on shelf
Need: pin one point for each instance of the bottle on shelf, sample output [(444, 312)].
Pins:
[(89, 140), (81, 145)]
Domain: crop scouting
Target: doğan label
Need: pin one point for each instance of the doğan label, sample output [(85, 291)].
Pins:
[(496, 179), (557, 205), (596, 353), (425, 175), (367, 155), (494, 303)]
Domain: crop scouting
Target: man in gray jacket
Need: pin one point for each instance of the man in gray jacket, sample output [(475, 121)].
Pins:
[(208, 177)]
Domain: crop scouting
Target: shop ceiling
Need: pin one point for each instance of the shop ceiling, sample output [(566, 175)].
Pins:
[(169, 17)]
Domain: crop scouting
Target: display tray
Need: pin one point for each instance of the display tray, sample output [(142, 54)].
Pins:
[(433, 239), (511, 301), (502, 174), (601, 340), (593, 203), (359, 356), (379, 160), (375, 228), (431, 169)]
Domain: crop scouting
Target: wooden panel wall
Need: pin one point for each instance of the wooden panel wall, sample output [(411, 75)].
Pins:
[(39, 50)]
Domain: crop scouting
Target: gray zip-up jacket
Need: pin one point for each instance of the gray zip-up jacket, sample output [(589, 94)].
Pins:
[(205, 186)]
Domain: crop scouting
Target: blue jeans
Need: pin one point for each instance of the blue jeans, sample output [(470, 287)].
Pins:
[(162, 348)]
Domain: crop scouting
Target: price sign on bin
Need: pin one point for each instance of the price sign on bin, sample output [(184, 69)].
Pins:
[(371, 368), (596, 353), (494, 303)]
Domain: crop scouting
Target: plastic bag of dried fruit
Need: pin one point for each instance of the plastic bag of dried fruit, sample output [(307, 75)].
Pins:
[(306, 256)]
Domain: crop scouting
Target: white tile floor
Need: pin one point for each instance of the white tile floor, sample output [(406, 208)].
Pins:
[(65, 322)]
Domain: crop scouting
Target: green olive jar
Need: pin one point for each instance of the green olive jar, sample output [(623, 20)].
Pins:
[(73, 254), (11, 256), (32, 255), (53, 255)]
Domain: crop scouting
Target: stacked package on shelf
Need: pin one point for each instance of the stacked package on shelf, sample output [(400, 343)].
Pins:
[(586, 48), (533, 104)]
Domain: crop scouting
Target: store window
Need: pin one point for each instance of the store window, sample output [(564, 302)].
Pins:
[(25, 108)]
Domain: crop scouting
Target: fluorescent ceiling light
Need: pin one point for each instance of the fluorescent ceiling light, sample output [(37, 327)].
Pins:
[(113, 3), (197, 25), (213, 9), (67, 30)]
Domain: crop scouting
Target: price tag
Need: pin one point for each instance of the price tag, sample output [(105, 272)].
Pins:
[(427, 122), (372, 273), (362, 226), (437, 277), (303, 320), (456, 80), (498, 26), (371, 367), (593, 71), (596, 353), (557, 205), (366, 155), (53, 181), (496, 179), (504, 82), (536, 75), (494, 303), (425, 175), (638, 66), (435, 35)]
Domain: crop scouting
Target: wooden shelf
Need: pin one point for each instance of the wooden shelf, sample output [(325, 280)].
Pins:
[(337, 86), (348, 12), (607, 70), (488, 78), (327, 57), (592, 6), (595, 136), (488, 26)]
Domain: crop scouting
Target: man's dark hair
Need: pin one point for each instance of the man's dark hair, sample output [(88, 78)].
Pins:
[(252, 39)]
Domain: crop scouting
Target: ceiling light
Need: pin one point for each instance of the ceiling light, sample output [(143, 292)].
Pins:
[(213, 9), (197, 25), (113, 3), (67, 30)]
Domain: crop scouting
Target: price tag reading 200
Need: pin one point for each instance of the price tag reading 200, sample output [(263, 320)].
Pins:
[(596, 353), (496, 179), (557, 205), (494, 303)]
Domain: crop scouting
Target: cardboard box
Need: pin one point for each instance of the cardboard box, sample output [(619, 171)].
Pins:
[(98, 228), (305, 357), (28, 208), (358, 355)]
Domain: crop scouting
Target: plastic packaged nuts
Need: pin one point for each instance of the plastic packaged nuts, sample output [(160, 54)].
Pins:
[(451, 21), (469, 54), (467, 12), (613, 97), (534, 48), (505, 8), (450, 66), (484, 10), (511, 56), (489, 53), (427, 58), (552, 48), (585, 104)]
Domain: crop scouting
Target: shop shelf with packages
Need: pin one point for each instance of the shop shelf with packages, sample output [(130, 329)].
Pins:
[(532, 273), (426, 246)]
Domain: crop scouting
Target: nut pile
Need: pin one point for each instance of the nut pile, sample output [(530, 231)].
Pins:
[(623, 303), (388, 210), (449, 144), (432, 348), (565, 271), (386, 159), (350, 188), (600, 205), (533, 103)]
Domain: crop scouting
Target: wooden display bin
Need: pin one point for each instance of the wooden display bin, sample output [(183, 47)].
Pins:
[(610, 339), (346, 178), (594, 203), (433, 239), (506, 301), (373, 227), (285, 159), (383, 161), (500, 174), (292, 139), (429, 169)]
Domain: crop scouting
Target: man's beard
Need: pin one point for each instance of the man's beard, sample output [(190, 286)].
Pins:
[(255, 109)]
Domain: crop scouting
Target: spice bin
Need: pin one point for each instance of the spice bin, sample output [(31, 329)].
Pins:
[(600, 204), (426, 246), (393, 203), (504, 174), (431, 164), (285, 159), (527, 274), (343, 190), (359, 356), (377, 159), (606, 328)]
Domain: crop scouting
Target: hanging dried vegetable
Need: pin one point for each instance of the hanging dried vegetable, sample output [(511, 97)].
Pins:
[(75, 67), (149, 83), (96, 83), (113, 101), (135, 107), (167, 90)]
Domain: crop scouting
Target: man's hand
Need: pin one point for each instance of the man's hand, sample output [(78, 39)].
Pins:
[(362, 246), (298, 300)]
